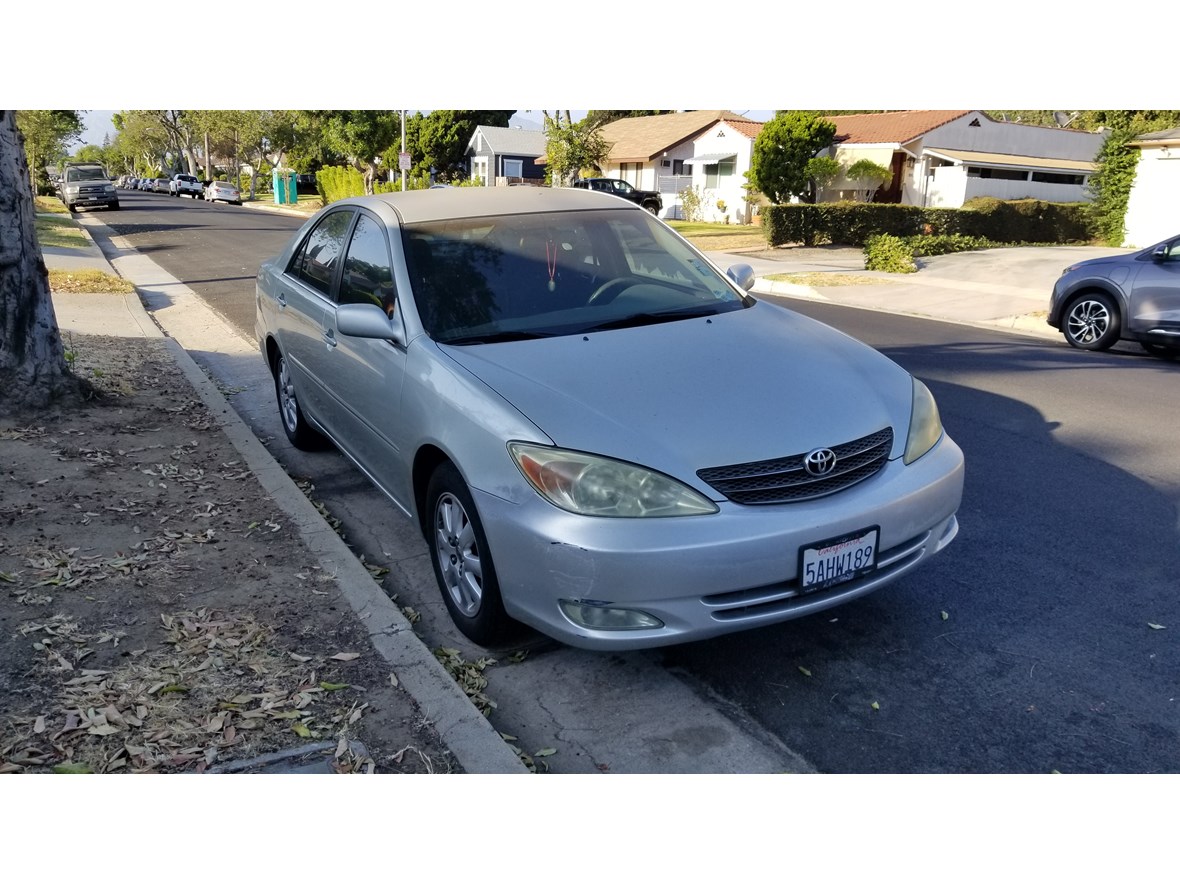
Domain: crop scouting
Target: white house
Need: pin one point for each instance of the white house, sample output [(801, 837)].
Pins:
[(945, 158), (1151, 207), (657, 152)]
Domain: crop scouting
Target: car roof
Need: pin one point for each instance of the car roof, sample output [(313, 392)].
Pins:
[(437, 204)]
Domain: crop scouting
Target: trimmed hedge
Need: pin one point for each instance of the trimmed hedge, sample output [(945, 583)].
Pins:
[(853, 224)]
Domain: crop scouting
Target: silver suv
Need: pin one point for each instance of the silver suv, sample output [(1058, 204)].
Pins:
[(87, 184)]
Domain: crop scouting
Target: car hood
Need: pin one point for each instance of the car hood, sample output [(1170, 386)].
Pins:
[(748, 385)]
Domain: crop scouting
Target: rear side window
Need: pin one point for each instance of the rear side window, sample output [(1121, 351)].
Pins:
[(368, 275), (316, 261)]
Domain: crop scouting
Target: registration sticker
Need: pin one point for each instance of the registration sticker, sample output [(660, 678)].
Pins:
[(837, 560)]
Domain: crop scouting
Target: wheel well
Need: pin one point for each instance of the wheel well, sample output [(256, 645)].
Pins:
[(1093, 290), (272, 354), (425, 463)]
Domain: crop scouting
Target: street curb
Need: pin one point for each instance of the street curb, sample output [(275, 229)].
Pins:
[(470, 737)]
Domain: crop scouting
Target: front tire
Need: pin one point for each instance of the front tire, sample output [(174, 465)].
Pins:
[(463, 561), (1092, 322), (301, 434)]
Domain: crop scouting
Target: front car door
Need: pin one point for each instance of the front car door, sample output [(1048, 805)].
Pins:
[(1155, 292), (364, 376)]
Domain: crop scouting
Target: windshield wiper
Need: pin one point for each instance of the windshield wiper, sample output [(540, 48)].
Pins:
[(652, 318), (497, 337)]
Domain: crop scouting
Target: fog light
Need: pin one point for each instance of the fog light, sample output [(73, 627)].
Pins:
[(595, 615)]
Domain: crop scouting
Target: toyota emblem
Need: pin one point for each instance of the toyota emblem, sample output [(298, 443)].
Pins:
[(820, 462)]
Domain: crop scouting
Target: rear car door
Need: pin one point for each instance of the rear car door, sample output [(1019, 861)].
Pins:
[(304, 298)]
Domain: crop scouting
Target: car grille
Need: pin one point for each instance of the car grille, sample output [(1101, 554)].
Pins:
[(91, 190), (781, 480)]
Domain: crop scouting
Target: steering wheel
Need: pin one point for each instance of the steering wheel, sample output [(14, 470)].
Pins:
[(620, 283)]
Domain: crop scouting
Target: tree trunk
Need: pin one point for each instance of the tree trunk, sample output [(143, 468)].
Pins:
[(33, 369)]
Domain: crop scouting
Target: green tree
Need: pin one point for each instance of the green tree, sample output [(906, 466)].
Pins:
[(869, 175), (822, 171), (1110, 185), (571, 147), (361, 137), (47, 138), (782, 151), (439, 139), (33, 368)]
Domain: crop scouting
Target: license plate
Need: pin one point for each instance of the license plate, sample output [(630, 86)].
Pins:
[(827, 563)]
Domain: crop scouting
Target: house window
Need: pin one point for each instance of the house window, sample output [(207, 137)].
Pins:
[(629, 172), (677, 167), (715, 172), (1004, 174), (513, 168), (1057, 178)]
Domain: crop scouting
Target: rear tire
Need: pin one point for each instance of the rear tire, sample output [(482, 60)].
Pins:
[(1092, 322), (301, 434)]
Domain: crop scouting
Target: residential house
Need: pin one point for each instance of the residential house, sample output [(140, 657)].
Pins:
[(945, 158), (657, 153), (498, 155), (1151, 206)]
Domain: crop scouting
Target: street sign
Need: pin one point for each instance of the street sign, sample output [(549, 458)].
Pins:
[(403, 161)]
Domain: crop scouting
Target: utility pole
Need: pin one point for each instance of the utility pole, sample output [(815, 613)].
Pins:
[(403, 151)]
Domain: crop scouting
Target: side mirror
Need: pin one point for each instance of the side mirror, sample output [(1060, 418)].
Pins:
[(370, 321), (1160, 253), (743, 275)]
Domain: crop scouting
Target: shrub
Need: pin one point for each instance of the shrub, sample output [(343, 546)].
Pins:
[(889, 254)]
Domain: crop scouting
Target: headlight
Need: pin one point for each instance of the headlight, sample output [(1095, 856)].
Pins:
[(594, 486), (925, 425)]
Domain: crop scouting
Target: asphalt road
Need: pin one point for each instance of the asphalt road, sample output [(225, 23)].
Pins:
[(1027, 646)]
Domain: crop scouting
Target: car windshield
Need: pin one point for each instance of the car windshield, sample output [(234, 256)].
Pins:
[(508, 278), (87, 174)]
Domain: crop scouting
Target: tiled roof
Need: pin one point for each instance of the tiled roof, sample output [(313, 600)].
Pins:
[(644, 138), (520, 142), (890, 127)]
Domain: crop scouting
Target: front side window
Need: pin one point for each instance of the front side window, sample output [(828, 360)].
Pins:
[(368, 274), (316, 260)]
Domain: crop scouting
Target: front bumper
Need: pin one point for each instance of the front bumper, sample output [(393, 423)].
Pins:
[(710, 575)]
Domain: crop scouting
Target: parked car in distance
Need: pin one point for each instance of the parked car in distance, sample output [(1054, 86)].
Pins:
[(649, 200), (87, 184), (145, 184), (1134, 297), (224, 191), (161, 185), (597, 432), (183, 184)]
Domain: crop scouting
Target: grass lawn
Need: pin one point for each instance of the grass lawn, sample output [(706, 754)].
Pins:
[(59, 233), (90, 281), (721, 237), (50, 204)]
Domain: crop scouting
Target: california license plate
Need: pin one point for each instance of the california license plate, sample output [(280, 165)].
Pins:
[(837, 560)]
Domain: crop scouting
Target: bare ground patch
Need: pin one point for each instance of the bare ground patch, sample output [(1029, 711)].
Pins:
[(157, 612)]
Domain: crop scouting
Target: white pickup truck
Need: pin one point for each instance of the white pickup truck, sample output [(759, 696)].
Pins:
[(186, 184)]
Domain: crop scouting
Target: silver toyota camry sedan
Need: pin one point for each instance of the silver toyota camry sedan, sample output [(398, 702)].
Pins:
[(599, 434)]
